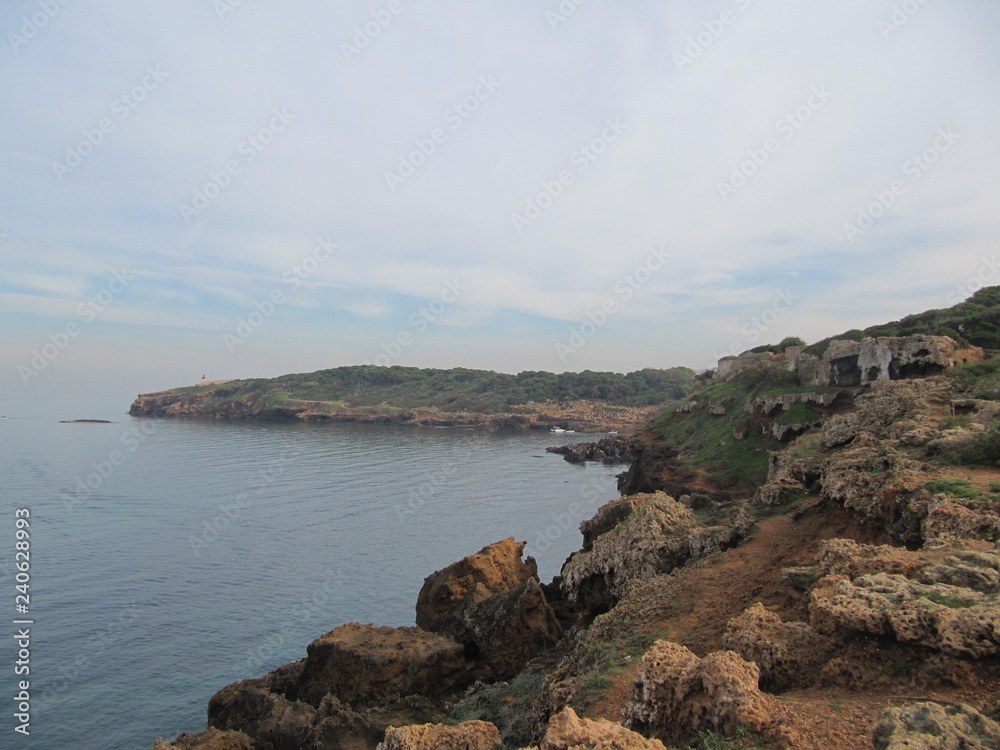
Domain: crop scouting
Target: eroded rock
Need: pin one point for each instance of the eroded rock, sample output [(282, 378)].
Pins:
[(932, 726), (567, 731), (470, 735), (677, 694)]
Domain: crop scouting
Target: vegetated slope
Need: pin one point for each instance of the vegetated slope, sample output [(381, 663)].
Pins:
[(974, 322), (455, 390)]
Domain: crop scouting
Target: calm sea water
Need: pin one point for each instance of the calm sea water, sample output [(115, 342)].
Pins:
[(171, 558)]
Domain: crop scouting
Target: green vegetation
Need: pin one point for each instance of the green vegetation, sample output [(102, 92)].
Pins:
[(902, 668), (955, 487), (780, 347), (949, 423), (455, 390), (978, 379), (508, 706), (947, 601), (708, 740), (799, 414), (975, 322), (982, 449)]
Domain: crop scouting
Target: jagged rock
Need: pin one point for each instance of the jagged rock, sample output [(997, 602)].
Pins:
[(932, 726), (365, 665), (470, 735), (491, 602), (845, 557), (210, 739), (973, 570), (840, 429), (652, 539), (677, 694), (787, 653), (886, 490), (950, 521), (569, 732), (273, 721), (788, 475), (957, 621), (610, 450), (854, 363)]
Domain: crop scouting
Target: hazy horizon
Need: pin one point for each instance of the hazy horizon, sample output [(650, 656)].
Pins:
[(248, 190)]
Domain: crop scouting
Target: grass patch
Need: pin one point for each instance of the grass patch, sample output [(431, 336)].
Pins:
[(956, 487), (952, 602), (799, 414)]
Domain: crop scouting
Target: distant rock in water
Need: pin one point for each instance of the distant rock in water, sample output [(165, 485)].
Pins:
[(612, 450), (88, 421)]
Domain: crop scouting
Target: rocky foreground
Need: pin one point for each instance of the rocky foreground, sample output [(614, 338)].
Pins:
[(850, 601)]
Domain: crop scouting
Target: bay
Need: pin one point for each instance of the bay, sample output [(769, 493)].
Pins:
[(170, 558)]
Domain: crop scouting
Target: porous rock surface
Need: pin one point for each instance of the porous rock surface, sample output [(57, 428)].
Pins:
[(567, 731), (470, 735), (957, 621), (787, 653), (212, 739), (932, 726), (678, 694)]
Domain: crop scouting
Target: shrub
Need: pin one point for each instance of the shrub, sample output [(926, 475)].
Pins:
[(956, 487)]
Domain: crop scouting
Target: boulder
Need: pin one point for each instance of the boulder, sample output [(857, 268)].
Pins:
[(653, 538), (470, 735), (492, 604), (567, 731), (845, 557), (273, 721), (677, 695), (787, 653), (363, 665), (957, 621), (933, 726)]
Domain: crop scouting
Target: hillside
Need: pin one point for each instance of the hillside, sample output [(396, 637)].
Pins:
[(407, 395)]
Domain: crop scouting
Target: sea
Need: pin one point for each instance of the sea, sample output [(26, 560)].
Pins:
[(169, 558)]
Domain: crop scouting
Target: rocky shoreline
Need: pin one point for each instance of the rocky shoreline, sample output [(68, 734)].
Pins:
[(850, 601), (579, 416)]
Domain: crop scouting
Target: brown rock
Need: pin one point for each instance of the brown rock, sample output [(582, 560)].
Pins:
[(845, 557), (931, 726), (470, 735), (492, 603), (270, 719), (210, 739), (653, 539), (569, 732), (365, 665), (677, 694), (957, 621), (787, 653)]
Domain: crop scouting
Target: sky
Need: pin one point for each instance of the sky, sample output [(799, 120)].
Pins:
[(246, 189)]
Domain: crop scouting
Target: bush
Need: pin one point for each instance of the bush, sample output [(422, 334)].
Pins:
[(955, 487)]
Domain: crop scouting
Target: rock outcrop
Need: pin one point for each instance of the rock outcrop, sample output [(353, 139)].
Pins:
[(610, 450), (213, 739), (491, 602), (957, 621), (567, 731), (470, 735), (677, 695), (932, 726), (787, 653), (364, 665)]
